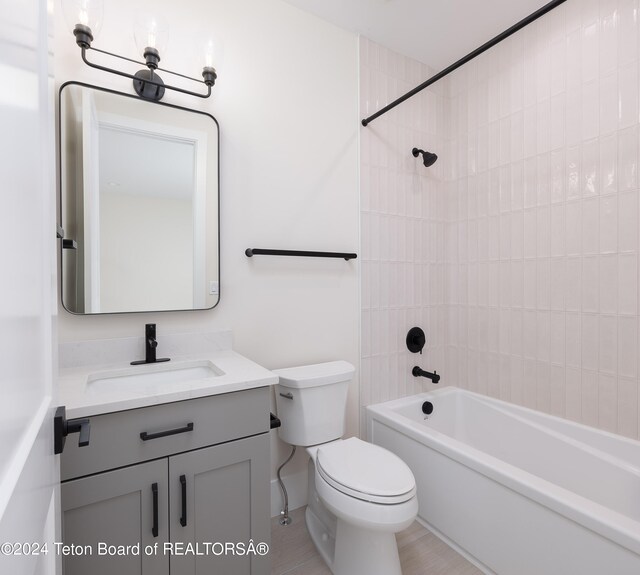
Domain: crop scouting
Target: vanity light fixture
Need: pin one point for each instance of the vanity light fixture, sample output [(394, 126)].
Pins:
[(151, 34)]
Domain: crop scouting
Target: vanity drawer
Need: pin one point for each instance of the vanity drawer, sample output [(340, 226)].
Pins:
[(116, 437)]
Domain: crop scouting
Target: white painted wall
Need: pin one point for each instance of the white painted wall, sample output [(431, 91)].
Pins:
[(286, 100)]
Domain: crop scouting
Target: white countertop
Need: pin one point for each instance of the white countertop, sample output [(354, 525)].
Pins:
[(238, 374)]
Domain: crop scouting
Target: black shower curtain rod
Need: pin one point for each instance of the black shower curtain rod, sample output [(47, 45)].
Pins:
[(490, 44)]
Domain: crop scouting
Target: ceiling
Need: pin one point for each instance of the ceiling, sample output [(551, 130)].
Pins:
[(435, 32)]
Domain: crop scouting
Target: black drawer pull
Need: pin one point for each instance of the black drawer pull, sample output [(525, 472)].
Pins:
[(183, 516), (147, 436), (154, 490)]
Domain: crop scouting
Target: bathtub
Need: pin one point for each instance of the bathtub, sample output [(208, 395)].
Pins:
[(516, 491)]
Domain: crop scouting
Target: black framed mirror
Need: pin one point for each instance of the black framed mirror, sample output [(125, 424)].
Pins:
[(139, 203)]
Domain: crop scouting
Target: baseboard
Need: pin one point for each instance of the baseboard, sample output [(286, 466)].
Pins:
[(296, 485)]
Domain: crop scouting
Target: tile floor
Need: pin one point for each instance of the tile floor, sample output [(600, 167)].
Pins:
[(421, 552)]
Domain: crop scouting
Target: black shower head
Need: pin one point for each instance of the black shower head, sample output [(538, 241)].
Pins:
[(427, 157)]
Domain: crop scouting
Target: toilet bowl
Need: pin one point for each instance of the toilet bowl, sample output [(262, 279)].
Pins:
[(360, 494), (372, 494), (366, 485)]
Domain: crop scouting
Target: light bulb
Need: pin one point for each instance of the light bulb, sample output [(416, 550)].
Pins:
[(151, 37), (208, 54), (151, 31), (211, 51), (85, 12)]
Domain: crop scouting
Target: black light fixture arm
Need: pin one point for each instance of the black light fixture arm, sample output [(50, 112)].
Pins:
[(490, 44), (151, 81)]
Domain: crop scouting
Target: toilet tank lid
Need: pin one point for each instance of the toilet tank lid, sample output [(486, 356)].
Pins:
[(315, 375)]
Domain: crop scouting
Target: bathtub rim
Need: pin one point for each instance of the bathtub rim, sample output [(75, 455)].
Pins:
[(596, 517)]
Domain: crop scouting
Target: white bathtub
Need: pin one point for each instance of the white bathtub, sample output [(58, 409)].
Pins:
[(516, 491)]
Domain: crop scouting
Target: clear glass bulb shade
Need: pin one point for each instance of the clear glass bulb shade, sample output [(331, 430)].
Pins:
[(86, 12), (211, 52), (151, 31)]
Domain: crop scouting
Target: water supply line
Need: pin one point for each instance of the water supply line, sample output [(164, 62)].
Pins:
[(285, 519)]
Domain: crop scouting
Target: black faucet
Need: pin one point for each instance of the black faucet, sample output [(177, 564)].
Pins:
[(417, 372), (150, 345)]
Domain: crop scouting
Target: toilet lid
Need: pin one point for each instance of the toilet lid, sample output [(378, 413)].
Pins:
[(365, 471), (315, 375)]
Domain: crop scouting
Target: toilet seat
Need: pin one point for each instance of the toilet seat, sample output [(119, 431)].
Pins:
[(363, 513), (365, 471)]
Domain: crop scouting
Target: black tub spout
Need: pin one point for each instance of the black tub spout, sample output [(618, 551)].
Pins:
[(418, 372)]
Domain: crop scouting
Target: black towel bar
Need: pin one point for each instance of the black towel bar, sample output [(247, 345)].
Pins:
[(250, 252)]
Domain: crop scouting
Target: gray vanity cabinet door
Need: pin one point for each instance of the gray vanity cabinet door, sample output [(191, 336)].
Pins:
[(117, 508), (227, 493)]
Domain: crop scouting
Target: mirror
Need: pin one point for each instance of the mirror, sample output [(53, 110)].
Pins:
[(139, 204)]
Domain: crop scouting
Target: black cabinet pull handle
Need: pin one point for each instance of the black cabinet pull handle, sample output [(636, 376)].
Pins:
[(154, 490), (63, 427), (183, 516), (147, 436), (82, 426)]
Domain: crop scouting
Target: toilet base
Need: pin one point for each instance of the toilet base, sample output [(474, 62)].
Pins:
[(350, 549), (360, 551), (323, 538), (354, 551)]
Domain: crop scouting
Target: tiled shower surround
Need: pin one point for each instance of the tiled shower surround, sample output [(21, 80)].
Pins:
[(402, 222), (518, 253)]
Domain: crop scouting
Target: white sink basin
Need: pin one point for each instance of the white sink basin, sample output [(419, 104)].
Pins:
[(147, 378)]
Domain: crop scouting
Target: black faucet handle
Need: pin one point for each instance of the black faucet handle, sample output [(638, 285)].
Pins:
[(416, 340), (151, 343)]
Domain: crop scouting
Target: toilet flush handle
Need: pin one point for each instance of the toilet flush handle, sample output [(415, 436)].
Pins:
[(287, 395)]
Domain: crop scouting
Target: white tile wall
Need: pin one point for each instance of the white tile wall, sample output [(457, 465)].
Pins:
[(518, 252), (564, 281), (402, 211)]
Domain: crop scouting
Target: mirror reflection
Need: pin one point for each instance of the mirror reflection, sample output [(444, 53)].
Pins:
[(139, 201)]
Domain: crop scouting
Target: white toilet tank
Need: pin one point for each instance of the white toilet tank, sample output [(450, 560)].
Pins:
[(312, 401)]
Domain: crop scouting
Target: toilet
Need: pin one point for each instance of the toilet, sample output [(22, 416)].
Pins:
[(360, 495)]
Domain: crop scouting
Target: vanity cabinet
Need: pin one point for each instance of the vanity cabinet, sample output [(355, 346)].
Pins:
[(116, 507), (223, 503), (190, 492)]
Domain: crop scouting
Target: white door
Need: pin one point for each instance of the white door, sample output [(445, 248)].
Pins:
[(29, 513)]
